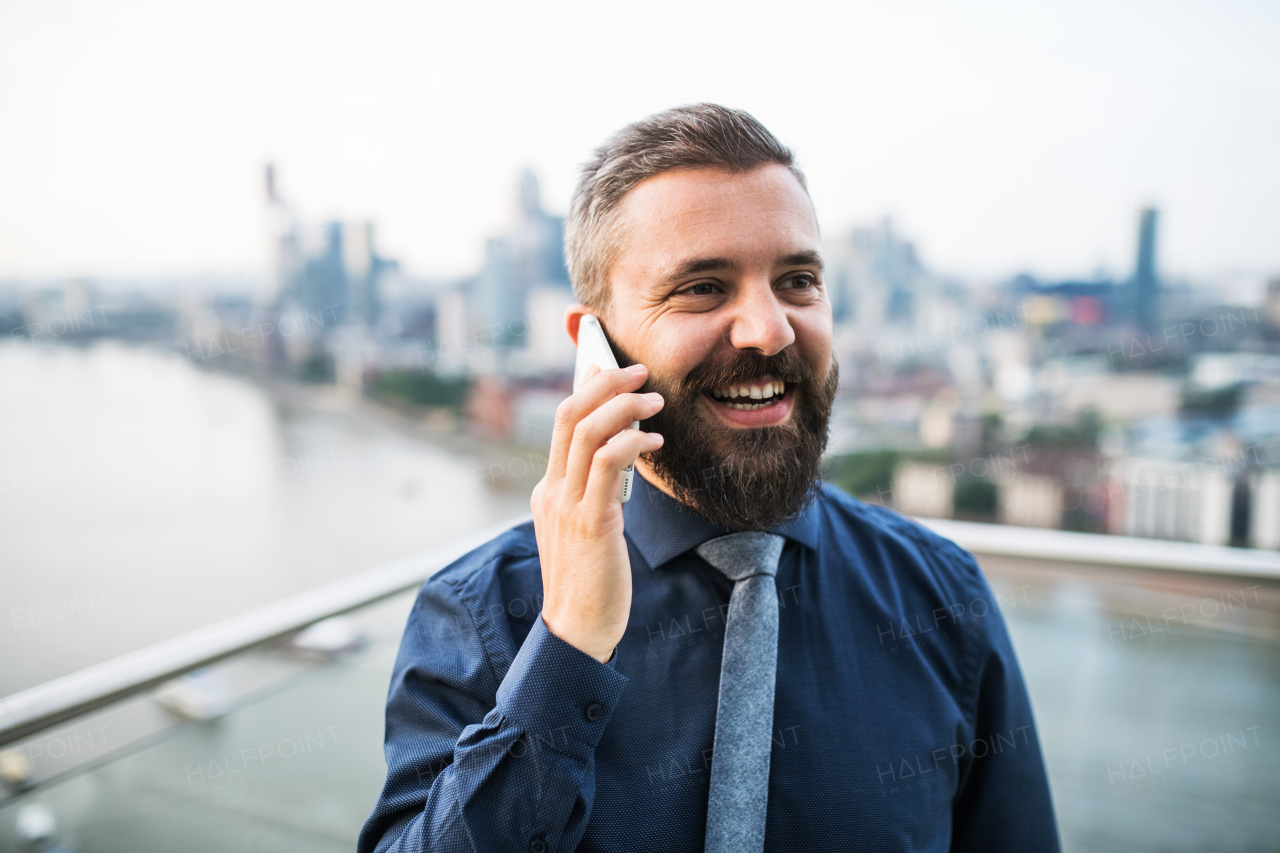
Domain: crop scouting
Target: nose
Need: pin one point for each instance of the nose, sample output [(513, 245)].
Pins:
[(759, 320)]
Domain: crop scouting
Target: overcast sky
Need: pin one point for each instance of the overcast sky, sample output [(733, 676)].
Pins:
[(999, 135)]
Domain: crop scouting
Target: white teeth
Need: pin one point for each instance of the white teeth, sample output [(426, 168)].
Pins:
[(766, 391)]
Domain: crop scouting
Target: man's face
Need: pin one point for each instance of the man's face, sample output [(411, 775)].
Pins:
[(717, 287)]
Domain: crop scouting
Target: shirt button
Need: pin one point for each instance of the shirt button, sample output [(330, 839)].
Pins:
[(537, 845), (594, 712)]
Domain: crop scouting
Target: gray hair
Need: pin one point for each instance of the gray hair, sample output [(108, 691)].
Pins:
[(697, 136)]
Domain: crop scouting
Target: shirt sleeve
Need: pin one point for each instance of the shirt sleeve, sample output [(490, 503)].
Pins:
[(480, 760), (1003, 801)]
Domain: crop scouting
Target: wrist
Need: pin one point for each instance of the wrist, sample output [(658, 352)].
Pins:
[(583, 641)]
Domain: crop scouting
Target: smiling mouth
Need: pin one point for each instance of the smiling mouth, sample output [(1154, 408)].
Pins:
[(749, 396)]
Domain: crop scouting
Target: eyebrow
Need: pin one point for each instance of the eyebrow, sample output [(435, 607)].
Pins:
[(801, 259), (697, 266)]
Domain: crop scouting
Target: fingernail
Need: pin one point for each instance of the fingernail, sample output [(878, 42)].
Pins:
[(654, 396), (637, 368)]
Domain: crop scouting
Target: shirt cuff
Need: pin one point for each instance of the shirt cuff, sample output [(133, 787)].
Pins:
[(556, 691)]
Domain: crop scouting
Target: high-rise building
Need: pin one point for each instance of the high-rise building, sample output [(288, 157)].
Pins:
[(528, 256), (282, 238), (1271, 303), (333, 271), (883, 293), (364, 269), (321, 287), (1146, 285), (876, 274)]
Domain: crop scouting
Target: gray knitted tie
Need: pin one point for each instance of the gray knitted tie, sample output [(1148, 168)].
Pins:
[(744, 713)]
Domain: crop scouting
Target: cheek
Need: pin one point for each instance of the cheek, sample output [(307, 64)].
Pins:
[(813, 336), (683, 347)]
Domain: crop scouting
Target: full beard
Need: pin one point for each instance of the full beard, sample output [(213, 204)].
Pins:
[(742, 478)]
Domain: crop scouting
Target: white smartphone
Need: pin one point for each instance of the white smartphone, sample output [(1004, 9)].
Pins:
[(593, 348)]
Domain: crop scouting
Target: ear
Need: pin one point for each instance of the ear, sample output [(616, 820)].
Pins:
[(573, 318)]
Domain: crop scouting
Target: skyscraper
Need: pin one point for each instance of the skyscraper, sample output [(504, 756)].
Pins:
[(528, 256), (1146, 286), (282, 235), (322, 288), (364, 270)]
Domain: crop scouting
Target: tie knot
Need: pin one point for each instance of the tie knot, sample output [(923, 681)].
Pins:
[(742, 555)]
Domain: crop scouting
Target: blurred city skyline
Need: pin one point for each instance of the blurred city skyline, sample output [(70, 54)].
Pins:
[(1000, 138)]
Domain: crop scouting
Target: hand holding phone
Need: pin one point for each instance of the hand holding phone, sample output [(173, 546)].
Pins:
[(593, 348), (577, 506)]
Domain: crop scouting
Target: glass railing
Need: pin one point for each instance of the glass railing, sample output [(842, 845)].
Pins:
[(291, 763), (1158, 705), (1156, 689)]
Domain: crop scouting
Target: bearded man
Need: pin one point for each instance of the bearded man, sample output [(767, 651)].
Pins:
[(739, 658)]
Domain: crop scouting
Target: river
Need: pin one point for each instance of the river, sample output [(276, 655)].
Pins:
[(141, 497)]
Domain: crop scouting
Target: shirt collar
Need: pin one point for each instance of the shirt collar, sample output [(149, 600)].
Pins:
[(662, 528)]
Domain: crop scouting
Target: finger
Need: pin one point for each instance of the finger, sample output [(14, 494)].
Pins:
[(600, 387), (605, 480), (597, 428)]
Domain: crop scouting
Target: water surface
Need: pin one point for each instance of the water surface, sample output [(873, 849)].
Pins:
[(141, 498)]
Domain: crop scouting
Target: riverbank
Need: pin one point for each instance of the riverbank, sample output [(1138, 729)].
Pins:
[(508, 467)]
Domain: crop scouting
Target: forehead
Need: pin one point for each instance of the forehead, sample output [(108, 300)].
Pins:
[(751, 218)]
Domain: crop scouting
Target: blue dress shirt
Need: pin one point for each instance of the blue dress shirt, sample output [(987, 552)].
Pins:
[(901, 721)]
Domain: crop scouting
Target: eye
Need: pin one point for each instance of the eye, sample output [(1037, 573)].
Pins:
[(799, 281), (702, 288)]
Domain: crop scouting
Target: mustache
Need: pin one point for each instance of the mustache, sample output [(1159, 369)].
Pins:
[(743, 366)]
